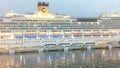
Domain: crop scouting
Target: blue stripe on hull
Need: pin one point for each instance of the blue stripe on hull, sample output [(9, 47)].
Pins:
[(77, 35), (30, 36), (19, 37), (96, 35), (43, 36), (105, 35), (114, 35), (87, 35), (67, 36), (56, 36)]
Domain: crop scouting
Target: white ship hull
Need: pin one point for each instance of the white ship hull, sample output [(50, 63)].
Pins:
[(36, 42), (42, 28)]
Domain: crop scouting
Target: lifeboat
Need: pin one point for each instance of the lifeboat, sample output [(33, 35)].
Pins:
[(41, 33), (87, 33), (18, 35), (114, 33), (31, 34), (56, 33), (105, 33), (77, 34), (96, 33), (67, 33), (5, 36)]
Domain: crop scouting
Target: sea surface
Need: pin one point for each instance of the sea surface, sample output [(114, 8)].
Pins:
[(101, 58)]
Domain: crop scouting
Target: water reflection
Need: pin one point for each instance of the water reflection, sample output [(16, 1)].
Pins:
[(70, 59)]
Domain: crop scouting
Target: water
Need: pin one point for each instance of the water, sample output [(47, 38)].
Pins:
[(68, 59)]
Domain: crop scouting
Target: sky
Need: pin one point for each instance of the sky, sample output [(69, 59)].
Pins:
[(75, 8)]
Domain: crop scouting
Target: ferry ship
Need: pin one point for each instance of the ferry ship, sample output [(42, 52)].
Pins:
[(43, 28)]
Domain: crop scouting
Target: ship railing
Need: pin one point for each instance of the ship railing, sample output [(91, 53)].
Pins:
[(50, 45), (64, 44), (77, 44), (11, 46), (90, 44)]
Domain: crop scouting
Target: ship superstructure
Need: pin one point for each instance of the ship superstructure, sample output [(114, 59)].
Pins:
[(42, 28)]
